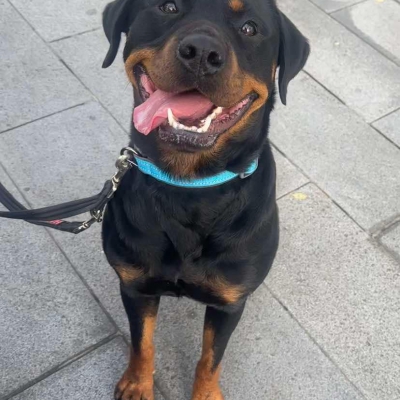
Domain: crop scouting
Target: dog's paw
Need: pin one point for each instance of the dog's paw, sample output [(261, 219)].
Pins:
[(208, 394), (128, 390)]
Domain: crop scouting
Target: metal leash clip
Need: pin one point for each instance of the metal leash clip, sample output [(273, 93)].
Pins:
[(123, 164), (97, 216)]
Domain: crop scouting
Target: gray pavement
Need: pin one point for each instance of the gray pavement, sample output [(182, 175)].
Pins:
[(324, 326)]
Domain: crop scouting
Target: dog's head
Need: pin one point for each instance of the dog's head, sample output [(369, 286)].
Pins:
[(203, 73)]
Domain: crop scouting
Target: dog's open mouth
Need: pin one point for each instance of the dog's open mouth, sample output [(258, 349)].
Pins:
[(184, 118)]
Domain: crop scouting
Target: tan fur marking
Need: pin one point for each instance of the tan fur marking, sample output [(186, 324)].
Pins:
[(228, 292), (128, 274), (206, 386), (137, 381), (236, 5), (135, 58)]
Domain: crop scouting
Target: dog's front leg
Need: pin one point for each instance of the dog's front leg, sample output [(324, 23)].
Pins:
[(218, 328), (137, 381)]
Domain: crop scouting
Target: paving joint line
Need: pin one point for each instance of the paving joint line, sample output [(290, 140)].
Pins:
[(85, 283), (74, 35), (88, 89), (385, 137), (385, 115), (327, 89), (324, 352), (294, 190), (55, 241), (344, 7), (61, 366), (388, 251), (44, 117), (382, 228)]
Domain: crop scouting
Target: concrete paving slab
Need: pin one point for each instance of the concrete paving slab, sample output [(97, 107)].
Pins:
[(91, 377), (392, 240), (390, 127), (333, 5), (47, 315), (66, 156), (288, 176), (342, 289), (351, 69), (269, 357), (57, 19), (333, 146), (377, 22), (33, 83), (84, 54)]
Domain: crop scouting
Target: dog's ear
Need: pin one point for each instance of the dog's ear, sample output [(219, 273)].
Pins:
[(293, 53), (116, 18)]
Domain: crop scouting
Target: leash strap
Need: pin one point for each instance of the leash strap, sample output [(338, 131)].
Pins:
[(52, 217)]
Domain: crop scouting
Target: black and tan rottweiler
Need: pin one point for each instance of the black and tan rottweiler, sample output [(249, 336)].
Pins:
[(203, 77)]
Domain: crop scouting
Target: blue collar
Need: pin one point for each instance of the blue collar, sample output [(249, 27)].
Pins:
[(148, 168)]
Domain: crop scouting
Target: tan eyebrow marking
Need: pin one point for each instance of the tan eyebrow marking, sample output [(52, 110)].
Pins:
[(236, 5)]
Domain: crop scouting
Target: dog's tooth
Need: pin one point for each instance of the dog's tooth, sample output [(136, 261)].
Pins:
[(171, 118), (218, 110), (207, 123), (175, 124)]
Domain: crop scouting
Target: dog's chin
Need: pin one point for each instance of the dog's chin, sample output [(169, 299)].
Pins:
[(192, 134)]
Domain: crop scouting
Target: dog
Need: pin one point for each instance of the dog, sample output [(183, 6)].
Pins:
[(203, 76)]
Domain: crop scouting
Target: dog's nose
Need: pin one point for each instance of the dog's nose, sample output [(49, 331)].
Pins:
[(202, 54)]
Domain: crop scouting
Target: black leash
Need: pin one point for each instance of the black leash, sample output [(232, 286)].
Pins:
[(52, 217)]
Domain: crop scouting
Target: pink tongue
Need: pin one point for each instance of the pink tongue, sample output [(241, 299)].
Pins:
[(154, 111)]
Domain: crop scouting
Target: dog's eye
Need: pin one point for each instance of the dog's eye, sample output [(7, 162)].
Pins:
[(249, 28), (169, 8)]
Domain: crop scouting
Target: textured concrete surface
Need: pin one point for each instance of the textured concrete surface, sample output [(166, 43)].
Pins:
[(334, 5), (46, 313), (92, 377), (378, 22), (342, 289), (356, 73), (84, 54), (325, 324), (352, 162), (57, 19)]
